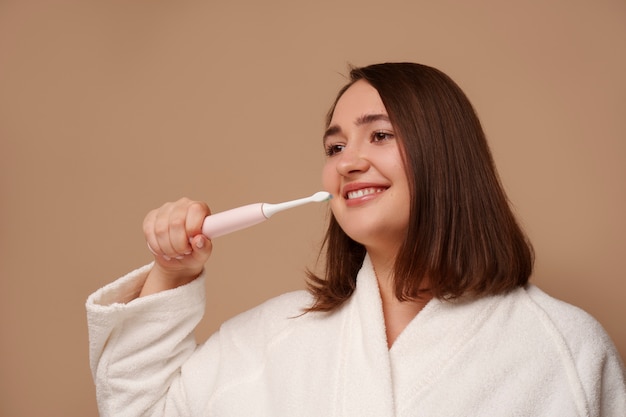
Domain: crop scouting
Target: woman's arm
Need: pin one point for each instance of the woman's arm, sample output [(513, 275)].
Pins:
[(137, 348), (141, 326)]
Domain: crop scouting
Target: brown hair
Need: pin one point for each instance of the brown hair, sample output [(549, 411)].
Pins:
[(462, 235)]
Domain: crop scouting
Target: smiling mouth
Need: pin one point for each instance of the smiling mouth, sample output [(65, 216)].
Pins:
[(363, 192)]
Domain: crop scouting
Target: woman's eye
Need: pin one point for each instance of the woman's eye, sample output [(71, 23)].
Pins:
[(334, 149), (380, 136)]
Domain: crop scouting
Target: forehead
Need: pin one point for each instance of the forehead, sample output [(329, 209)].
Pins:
[(358, 100)]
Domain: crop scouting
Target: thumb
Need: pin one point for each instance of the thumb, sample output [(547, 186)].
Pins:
[(202, 247)]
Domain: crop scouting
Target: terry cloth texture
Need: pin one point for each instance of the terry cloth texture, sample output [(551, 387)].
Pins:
[(521, 354)]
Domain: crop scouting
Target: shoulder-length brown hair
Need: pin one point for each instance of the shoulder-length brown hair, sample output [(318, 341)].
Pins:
[(462, 237)]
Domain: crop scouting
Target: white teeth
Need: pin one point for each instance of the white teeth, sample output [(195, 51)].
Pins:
[(364, 191)]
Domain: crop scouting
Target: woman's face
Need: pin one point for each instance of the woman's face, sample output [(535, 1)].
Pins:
[(364, 171)]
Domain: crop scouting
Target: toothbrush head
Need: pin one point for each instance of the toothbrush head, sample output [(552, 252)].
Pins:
[(320, 196), (271, 209)]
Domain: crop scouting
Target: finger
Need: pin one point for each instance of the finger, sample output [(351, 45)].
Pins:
[(149, 233), (179, 239), (161, 226), (196, 214)]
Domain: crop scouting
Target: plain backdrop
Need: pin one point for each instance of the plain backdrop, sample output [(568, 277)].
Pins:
[(110, 108)]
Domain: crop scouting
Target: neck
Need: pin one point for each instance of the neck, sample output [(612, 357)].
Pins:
[(397, 314), (383, 260)]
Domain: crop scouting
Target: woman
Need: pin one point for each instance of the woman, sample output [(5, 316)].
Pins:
[(425, 307)]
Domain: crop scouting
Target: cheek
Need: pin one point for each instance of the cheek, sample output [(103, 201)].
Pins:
[(329, 178)]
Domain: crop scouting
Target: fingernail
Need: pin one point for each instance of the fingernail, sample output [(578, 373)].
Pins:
[(187, 253), (200, 243), (150, 249), (167, 258)]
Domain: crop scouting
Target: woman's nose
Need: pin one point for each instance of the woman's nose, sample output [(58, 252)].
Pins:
[(352, 160)]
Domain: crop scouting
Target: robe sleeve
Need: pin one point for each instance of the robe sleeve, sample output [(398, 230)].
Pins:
[(601, 371), (594, 367), (138, 346)]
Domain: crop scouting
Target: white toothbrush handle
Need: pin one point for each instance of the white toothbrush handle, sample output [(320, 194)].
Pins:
[(232, 220), (245, 216)]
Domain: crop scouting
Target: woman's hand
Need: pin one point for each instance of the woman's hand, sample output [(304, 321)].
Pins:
[(173, 234)]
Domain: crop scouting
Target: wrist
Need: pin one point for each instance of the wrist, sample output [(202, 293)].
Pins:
[(160, 279)]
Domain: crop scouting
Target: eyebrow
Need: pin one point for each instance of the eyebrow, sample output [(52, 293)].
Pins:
[(360, 121)]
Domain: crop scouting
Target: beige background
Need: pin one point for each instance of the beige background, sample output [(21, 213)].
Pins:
[(109, 108)]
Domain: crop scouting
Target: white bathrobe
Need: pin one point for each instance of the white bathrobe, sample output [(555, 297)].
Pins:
[(523, 354)]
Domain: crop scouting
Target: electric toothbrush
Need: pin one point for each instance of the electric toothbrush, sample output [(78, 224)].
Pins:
[(239, 218)]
